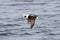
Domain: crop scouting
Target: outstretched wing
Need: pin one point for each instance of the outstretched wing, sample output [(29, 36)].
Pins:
[(31, 21)]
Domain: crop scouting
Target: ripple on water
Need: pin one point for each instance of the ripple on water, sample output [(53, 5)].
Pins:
[(6, 34), (26, 34), (9, 25), (23, 0)]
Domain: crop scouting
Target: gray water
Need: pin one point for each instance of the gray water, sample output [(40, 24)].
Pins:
[(13, 27)]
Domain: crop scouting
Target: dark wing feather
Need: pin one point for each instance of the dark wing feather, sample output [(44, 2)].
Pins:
[(31, 21)]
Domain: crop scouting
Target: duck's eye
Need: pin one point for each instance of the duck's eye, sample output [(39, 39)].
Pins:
[(24, 16)]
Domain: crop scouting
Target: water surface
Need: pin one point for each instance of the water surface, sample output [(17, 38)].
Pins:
[(13, 27)]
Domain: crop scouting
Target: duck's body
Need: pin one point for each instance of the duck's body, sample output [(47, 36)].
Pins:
[(31, 19)]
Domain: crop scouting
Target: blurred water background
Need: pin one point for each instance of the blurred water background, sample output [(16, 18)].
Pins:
[(13, 27)]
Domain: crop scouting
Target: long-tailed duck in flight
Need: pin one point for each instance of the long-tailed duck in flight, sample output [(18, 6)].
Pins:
[(31, 19)]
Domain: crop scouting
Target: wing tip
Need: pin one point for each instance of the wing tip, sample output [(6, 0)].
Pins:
[(32, 26)]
